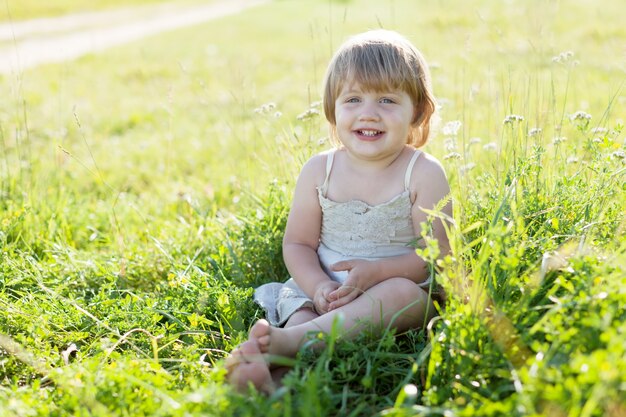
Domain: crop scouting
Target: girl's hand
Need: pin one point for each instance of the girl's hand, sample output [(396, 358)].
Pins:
[(320, 299), (362, 275)]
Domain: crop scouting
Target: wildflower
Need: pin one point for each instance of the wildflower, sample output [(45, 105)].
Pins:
[(315, 104), (491, 146), (512, 118), (452, 155), (580, 115), (558, 139), (535, 131), (265, 108), (451, 128), (618, 155), (474, 141), (468, 167), (599, 130), (552, 261), (278, 115), (572, 159), (308, 115), (322, 141), (563, 57), (449, 144)]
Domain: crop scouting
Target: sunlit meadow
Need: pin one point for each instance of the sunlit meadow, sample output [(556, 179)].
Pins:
[(144, 192)]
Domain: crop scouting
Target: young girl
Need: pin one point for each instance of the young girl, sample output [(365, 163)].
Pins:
[(356, 211)]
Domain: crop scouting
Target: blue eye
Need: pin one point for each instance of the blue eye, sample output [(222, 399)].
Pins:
[(386, 101), (353, 100)]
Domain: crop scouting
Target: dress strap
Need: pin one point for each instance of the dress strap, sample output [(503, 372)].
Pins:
[(409, 169), (329, 166)]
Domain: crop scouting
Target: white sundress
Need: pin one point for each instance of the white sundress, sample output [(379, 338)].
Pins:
[(350, 230)]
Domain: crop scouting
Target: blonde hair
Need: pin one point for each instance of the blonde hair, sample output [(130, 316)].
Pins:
[(382, 60)]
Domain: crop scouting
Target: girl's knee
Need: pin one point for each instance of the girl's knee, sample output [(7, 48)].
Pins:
[(406, 291)]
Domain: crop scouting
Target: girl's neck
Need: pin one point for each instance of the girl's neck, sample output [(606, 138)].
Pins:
[(373, 165)]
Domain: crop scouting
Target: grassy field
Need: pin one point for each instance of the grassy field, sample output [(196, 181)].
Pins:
[(15, 10), (144, 193)]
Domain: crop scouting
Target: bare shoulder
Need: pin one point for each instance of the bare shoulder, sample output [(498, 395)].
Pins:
[(429, 177), (314, 170)]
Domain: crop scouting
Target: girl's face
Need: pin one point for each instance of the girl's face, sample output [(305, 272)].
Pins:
[(373, 125)]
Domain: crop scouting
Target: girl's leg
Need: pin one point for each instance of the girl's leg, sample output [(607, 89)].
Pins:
[(299, 317), (247, 364), (397, 299)]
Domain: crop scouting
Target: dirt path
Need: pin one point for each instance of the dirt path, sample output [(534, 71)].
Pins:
[(27, 44)]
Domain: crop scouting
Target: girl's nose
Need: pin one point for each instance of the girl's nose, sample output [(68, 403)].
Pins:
[(369, 112)]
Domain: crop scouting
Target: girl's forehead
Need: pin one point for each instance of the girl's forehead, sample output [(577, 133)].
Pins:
[(356, 86)]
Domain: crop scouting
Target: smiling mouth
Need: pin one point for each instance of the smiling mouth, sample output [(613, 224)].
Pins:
[(370, 133)]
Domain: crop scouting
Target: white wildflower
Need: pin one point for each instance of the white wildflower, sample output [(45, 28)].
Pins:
[(618, 155), (452, 155), (558, 139), (563, 57), (449, 144), (468, 167), (474, 141), (535, 131), (552, 261), (451, 128), (512, 118), (491, 146), (308, 115), (278, 114), (572, 159), (316, 104), (580, 115), (265, 108), (599, 130)]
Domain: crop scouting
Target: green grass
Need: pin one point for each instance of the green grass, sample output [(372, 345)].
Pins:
[(137, 213), (15, 10)]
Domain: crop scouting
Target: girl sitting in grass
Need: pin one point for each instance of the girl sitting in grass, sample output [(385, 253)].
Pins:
[(356, 213)]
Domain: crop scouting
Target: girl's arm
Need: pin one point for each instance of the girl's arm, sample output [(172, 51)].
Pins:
[(302, 233), (429, 185)]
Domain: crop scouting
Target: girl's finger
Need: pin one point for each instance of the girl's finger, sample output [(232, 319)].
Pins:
[(341, 266), (344, 300), (339, 292)]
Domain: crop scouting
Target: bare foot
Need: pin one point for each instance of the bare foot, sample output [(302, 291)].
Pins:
[(261, 333), (247, 365)]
